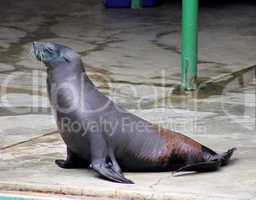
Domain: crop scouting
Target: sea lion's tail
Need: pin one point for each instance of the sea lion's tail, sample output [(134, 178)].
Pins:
[(210, 165)]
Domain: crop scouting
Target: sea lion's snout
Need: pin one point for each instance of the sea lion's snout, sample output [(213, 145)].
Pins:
[(51, 53), (37, 47), (45, 51)]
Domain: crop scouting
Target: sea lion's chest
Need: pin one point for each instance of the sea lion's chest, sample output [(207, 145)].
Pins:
[(65, 103), (74, 134)]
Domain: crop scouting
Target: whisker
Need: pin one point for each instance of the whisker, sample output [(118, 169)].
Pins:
[(31, 52), (43, 54), (41, 57)]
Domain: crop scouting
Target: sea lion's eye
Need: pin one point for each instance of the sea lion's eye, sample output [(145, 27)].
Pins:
[(66, 55), (67, 59), (49, 50)]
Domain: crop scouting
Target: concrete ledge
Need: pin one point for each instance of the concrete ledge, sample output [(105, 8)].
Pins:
[(115, 193)]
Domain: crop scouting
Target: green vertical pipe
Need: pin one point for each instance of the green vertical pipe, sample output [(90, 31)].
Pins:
[(136, 4), (189, 44)]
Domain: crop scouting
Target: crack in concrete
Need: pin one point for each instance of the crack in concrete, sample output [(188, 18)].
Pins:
[(25, 141), (99, 46), (157, 43), (176, 50), (168, 85), (159, 180)]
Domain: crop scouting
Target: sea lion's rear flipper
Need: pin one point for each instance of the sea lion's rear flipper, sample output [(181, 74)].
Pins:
[(109, 172), (225, 157), (206, 166), (211, 165)]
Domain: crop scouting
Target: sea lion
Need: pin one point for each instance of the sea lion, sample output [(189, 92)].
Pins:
[(102, 135)]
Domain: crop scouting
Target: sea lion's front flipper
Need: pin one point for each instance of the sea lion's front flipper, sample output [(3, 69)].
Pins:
[(206, 166), (72, 161), (103, 159), (108, 171)]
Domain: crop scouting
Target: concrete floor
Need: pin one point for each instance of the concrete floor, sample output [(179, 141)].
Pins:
[(133, 57)]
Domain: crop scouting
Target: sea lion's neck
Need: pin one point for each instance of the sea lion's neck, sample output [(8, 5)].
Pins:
[(65, 72), (70, 74)]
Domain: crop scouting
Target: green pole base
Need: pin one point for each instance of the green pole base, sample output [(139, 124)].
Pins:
[(136, 4)]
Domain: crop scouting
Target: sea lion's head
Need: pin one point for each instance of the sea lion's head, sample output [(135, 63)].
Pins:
[(53, 55)]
